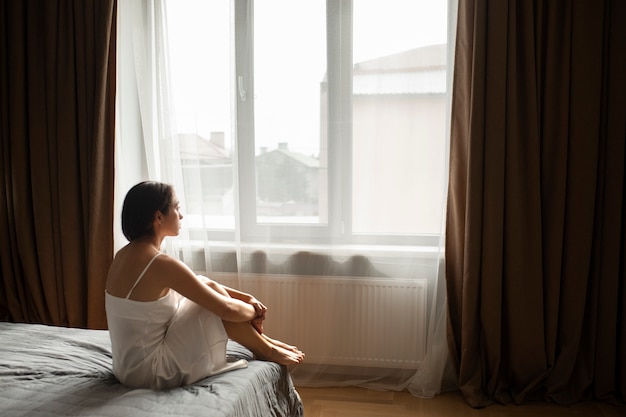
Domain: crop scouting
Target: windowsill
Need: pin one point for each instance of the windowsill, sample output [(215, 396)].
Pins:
[(340, 250), (310, 259)]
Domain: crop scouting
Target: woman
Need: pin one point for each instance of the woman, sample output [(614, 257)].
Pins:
[(168, 326)]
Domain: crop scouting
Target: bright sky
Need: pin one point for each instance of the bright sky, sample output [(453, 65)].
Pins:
[(288, 31)]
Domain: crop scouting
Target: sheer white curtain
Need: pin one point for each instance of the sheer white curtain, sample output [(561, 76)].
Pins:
[(311, 162)]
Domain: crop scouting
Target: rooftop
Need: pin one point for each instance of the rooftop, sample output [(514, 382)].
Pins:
[(416, 71)]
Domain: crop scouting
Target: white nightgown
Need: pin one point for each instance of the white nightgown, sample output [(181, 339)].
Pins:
[(165, 343)]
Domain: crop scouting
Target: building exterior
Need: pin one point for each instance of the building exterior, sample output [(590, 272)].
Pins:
[(287, 183)]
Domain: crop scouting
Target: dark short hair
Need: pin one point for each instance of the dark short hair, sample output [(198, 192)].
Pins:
[(141, 203)]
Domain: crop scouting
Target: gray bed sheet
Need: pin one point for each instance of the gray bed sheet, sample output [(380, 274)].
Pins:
[(58, 371)]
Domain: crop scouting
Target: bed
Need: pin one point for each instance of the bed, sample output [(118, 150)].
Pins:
[(58, 371)]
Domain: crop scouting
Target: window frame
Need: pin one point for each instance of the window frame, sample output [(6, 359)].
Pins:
[(338, 230)]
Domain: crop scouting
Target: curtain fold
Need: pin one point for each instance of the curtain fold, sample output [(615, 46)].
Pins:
[(535, 226), (57, 126)]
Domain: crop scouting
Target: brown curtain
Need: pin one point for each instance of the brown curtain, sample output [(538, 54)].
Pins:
[(536, 226), (57, 107)]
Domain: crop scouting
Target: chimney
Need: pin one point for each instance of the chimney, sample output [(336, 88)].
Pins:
[(283, 146)]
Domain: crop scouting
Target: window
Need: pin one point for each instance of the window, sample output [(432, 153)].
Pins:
[(201, 71), (319, 121)]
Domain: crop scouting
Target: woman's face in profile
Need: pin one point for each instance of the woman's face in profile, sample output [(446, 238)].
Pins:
[(172, 220)]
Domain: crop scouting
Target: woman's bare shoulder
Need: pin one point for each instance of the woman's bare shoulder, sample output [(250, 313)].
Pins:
[(163, 260), (127, 265), (166, 268)]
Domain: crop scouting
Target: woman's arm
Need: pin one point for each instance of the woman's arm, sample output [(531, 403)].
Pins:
[(174, 274), (259, 307), (239, 295)]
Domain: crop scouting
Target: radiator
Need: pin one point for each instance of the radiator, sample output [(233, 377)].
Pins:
[(350, 321)]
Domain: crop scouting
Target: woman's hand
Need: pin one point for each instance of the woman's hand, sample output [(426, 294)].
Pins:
[(260, 310)]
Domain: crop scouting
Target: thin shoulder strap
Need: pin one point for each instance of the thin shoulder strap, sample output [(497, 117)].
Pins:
[(142, 273)]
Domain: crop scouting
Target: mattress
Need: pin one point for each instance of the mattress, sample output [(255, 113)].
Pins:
[(58, 371)]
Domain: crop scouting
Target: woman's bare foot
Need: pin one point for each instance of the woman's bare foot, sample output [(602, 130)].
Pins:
[(283, 356), (280, 344)]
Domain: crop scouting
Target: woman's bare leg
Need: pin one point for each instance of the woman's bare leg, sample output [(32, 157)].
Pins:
[(280, 344), (260, 346)]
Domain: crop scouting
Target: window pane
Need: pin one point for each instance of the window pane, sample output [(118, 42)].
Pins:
[(399, 116), (289, 78), (200, 64)]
